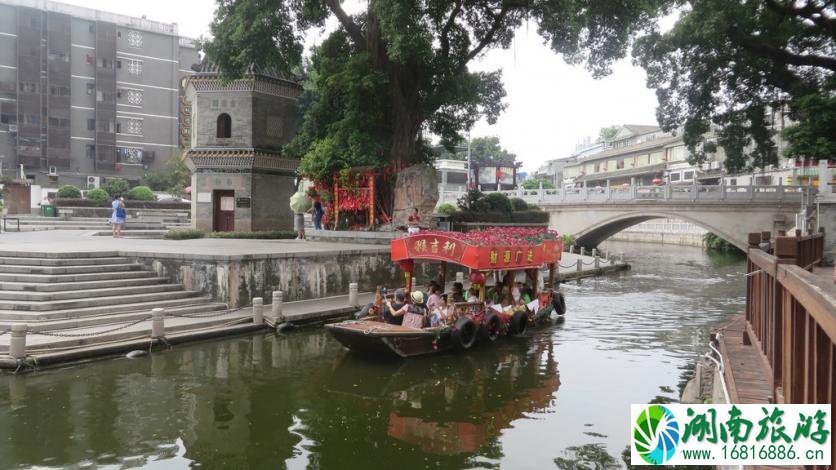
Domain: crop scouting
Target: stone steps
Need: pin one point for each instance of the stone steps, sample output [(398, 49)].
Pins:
[(81, 269), (45, 286), (15, 260), (69, 313), (82, 322), (28, 296), (62, 279), (93, 301)]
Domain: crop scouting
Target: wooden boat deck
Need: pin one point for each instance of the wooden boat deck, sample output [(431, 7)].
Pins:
[(747, 374), (376, 328)]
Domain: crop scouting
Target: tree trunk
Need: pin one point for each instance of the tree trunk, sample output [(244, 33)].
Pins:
[(403, 88)]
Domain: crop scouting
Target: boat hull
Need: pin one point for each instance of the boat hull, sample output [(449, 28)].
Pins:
[(381, 339)]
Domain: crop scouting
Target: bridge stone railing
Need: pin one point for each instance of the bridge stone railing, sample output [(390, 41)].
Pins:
[(694, 193)]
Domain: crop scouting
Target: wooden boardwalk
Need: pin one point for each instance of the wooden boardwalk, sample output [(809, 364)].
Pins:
[(747, 375)]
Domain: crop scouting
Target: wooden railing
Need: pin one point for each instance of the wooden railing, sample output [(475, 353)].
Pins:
[(791, 316)]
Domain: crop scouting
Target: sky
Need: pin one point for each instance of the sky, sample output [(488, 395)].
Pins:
[(551, 106)]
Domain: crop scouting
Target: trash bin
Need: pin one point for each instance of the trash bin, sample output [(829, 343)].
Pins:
[(48, 210)]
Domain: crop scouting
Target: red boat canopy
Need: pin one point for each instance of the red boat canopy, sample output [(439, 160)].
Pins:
[(484, 250)]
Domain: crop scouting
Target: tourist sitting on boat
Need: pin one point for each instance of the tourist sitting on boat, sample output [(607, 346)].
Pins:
[(434, 296), (393, 313), (440, 312), (494, 295), (457, 295), (414, 314), (372, 308), (525, 292), (473, 295)]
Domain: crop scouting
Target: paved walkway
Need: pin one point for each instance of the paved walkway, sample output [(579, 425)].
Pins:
[(68, 241)]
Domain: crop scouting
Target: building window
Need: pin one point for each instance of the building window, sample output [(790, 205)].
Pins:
[(688, 175), (134, 39), (91, 27), (91, 124), (91, 88), (134, 97), (674, 177), (91, 151), (214, 104), (118, 64), (132, 126), (130, 155), (134, 67), (733, 182), (619, 164), (224, 126)]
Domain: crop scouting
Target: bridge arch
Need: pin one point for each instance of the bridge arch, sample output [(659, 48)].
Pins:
[(598, 231)]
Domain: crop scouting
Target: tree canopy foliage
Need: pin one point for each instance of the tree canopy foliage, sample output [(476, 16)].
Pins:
[(728, 65), (484, 151), (607, 133), (534, 183), (400, 68)]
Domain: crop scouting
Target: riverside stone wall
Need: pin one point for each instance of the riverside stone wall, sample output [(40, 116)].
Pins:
[(237, 281)]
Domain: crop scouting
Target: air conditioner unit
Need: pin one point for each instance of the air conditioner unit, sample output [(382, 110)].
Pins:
[(13, 128), (93, 182), (53, 171)]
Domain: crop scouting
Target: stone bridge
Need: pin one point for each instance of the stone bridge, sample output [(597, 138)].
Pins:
[(594, 214)]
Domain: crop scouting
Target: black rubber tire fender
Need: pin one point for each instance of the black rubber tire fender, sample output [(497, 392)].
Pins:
[(490, 328), (519, 323), (464, 333), (559, 303)]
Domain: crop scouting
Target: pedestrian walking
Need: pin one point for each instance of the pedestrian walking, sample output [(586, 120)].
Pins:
[(318, 212)]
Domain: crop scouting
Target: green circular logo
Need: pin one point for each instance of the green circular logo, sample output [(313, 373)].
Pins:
[(656, 434)]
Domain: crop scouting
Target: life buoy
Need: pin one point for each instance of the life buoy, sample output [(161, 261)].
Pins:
[(464, 333), (519, 322), (559, 303), (490, 328)]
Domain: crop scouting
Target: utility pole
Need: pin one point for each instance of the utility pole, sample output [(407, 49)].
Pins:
[(469, 168)]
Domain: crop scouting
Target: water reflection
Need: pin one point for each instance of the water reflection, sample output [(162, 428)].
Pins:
[(559, 396)]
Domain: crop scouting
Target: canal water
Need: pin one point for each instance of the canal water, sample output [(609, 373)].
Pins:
[(557, 398)]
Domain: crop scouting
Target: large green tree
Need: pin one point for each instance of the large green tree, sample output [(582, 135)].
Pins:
[(411, 58), (730, 64)]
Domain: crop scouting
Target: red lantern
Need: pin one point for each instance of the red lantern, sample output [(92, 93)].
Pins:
[(477, 277), (657, 181)]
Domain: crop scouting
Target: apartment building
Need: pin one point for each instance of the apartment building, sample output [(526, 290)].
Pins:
[(86, 95)]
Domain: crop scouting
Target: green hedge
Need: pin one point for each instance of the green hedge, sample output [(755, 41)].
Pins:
[(519, 217), (64, 202), (141, 193), (69, 190), (184, 234), (98, 195), (262, 235)]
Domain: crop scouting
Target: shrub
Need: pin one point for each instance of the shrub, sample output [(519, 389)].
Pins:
[(473, 200), (714, 242), (115, 187), (184, 234), (568, 240), (536, 182), (519, 204), (446, 209), (498, 202), (534, 207), (141, 193), (69, 191), (98, 195), (259, 235)]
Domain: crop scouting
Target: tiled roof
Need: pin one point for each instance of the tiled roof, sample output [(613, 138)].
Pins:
[(207, 68)]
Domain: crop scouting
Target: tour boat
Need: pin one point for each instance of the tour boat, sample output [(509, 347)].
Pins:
[(499, 251)]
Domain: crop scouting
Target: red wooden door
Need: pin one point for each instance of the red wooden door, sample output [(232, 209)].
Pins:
[(223, 206)]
